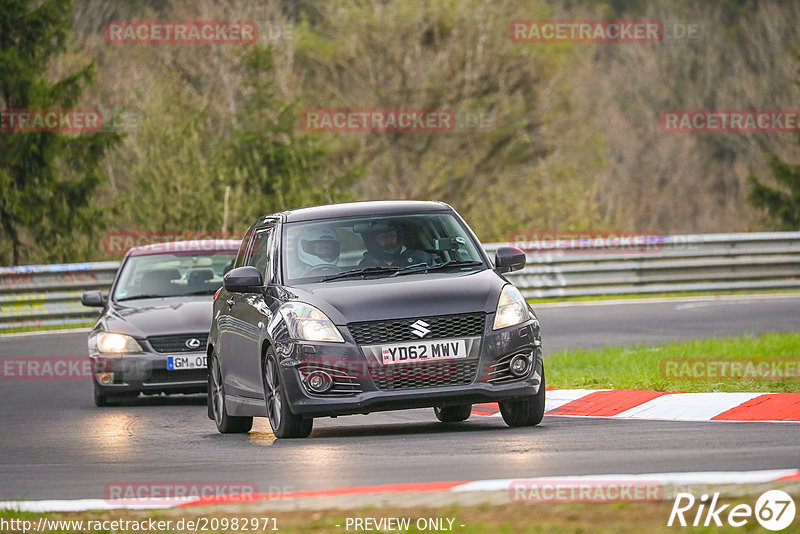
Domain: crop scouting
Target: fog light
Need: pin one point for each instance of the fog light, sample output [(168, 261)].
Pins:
[(519, 365), (319, 381), (104, 378)]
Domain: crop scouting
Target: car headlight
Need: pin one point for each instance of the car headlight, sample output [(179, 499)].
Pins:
[(116, 343), (307, 323), (511, 308)]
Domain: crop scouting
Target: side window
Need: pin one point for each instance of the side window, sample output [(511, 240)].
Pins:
[(243, 249), (258, 254)]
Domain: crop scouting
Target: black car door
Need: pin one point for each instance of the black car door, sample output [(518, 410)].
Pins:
[(229, 326), (251, 313)]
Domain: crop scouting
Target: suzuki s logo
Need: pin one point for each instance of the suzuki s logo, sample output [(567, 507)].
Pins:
[(420, 328), (193, 343)]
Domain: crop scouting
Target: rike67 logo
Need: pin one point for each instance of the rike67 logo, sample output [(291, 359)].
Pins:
[(774, 510)]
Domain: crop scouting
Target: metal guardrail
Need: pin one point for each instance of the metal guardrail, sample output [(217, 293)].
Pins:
[(704, 262), (49, 295)]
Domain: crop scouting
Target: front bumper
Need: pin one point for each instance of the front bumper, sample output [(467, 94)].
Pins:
[(147, 373), (372, 395), (378, 401)]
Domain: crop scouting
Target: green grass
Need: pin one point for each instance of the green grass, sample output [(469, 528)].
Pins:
[(640, 367), (20, 329), (551, 518), (544, 300)]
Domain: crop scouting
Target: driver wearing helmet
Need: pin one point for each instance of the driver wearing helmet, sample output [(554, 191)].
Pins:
[(317, 247), (384, 247)]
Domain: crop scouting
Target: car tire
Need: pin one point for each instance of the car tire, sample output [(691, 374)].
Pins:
[(283, 422), (217, 409), (528, 411), (453, 414), (100, 400)]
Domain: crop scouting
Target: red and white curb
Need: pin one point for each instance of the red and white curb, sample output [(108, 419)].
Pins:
[(663, 479), (635, 404)]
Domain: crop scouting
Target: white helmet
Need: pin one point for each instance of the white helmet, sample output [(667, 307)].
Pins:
[(318, 246)]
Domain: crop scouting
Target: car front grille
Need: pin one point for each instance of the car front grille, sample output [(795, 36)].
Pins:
[(177, 343), (394, 330), (425, 375), (161, 376)]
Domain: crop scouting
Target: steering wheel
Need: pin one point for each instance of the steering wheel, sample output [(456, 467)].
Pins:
[(322, 270)]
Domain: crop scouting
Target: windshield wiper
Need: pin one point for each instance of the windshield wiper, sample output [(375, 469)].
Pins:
[(200, 292), (360, 272), (424, 267)]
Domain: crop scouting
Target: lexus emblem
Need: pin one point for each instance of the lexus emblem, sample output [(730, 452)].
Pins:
[(193, 343), (420, 328)]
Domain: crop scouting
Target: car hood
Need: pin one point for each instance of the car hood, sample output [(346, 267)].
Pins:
[(412, 295), (155, 317)]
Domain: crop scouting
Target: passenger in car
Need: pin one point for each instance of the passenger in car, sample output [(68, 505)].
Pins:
[(200, 279)]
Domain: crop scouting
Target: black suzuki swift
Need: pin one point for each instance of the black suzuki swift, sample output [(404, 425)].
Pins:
[(370, 306)]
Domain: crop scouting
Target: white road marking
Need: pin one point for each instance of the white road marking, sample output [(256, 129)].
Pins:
[(701, 477), (677, 479), (687, 406)]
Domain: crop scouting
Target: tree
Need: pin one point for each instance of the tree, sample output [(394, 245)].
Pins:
[(176, 164), (516, 148), (783, 202), (47, 179), (184, 165), (274, 166)]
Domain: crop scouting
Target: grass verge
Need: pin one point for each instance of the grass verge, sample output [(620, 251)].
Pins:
[(690, 366), (554, 518), (21, 329)]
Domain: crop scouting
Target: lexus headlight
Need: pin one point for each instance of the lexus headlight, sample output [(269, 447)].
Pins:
[(511, 308), (307, 323), (116, 343)]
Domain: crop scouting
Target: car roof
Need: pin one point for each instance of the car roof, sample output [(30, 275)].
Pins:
[(357, 209), (182, 247)]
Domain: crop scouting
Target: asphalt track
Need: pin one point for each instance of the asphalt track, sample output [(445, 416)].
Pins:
[(54, 444)]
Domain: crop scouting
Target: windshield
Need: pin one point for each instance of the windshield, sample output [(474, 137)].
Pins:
[(320, 250), (176, 274)]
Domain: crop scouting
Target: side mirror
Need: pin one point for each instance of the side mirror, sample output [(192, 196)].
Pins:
[(509, 259), (93, 299), (246, 279)]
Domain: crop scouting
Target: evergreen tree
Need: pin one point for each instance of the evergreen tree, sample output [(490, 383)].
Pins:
[(275, 165), (783, 202), (47, 179)]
